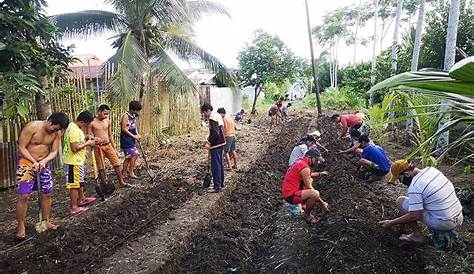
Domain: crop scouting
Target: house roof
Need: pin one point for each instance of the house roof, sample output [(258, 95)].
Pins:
[(88, 66)]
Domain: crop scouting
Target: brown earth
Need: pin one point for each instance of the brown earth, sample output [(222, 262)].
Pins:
[(249, 230)]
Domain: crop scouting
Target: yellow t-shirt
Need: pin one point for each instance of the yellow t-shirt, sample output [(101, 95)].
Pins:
[(74, 134)]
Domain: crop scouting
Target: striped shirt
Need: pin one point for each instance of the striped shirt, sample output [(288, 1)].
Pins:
[(433, 193)]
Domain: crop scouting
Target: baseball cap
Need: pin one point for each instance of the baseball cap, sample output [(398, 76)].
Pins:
[(397, 168), (315, 134), (314, 153)]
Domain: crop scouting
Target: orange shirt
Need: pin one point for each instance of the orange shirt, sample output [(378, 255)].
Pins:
[(229, 126)]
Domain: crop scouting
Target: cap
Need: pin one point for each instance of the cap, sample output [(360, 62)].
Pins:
[(315, 134), (398, 167), (314, 153)]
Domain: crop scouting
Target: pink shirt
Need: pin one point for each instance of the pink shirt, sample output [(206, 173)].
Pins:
[(350, 120)]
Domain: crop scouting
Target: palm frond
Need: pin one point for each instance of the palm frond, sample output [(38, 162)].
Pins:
[(197, 9), (87, 23), (187, 50), (165, 69), (133, 70)]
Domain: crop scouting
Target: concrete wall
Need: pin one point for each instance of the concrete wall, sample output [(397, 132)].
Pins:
[(228, 98)]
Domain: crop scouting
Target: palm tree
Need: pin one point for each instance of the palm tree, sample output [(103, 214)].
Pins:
[(419, 30), (374, 55), (395, 37), (147, 32), (449, 58)]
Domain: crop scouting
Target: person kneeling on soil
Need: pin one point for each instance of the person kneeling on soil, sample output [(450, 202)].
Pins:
[(298, 188), (74, 157), (355, 135), (374, 163), (431, 200)]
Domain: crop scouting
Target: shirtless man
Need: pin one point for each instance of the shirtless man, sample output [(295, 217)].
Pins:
[(38, 145), (101, 130)]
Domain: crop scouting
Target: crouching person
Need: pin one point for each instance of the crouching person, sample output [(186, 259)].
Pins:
[(298, 188), (431, 200)]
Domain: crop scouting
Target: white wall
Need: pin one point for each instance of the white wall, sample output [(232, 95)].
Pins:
[(228, 98)]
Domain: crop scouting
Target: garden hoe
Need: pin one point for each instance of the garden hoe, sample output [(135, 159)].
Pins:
[(42, 225), (147, 167)]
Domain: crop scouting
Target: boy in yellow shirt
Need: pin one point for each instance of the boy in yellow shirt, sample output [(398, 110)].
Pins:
[(74, 157)]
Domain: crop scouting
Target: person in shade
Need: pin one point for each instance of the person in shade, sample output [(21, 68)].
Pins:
[(431, 199), (374, 163), (215, 144), (298, 188)]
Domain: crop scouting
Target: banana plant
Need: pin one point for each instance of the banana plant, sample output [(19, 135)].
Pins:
[(456, 86)]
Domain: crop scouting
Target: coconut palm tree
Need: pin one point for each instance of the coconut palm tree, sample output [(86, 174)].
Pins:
[(147, 34), (374, 55), (449, 58), (395, 37), (419, 30)]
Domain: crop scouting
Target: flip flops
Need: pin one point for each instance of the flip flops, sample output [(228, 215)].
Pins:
[(80, 211), (311, 220), (87, 201)]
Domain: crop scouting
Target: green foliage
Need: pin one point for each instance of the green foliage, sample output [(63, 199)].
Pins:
[(267, 59), (147, 32), (29, 51), (338, 99), (434, 39)]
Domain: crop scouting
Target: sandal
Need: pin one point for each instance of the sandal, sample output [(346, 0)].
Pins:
[(87, 201), (312, 219), (80, 211)]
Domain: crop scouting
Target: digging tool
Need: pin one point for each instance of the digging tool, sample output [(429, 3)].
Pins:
[(208, 177), (42, 225), (98, 187), (147, 167)]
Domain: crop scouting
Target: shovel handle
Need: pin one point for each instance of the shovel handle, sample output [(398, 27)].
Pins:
[(38, 186)]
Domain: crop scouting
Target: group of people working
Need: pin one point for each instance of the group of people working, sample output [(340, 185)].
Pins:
[(39, 144), (431, 197), (278, 112)]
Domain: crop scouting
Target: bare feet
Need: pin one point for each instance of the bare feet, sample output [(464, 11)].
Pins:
[(311, 219), (132, 175)]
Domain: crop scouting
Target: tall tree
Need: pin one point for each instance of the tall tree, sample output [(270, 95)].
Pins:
[(29, 58), (449, 59), (266, 59), (419, 31), (147, 32), (329, 34), (396, 31), (374, 56)]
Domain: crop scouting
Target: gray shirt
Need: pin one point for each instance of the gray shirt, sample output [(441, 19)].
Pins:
[(297, 152)]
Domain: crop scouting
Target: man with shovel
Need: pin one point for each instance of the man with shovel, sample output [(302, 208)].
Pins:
[(101, 130), (129, 137), (215, 144), (38, 144)]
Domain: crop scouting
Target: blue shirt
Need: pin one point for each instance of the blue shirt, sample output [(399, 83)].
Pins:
[(377, 155), (127, 141)]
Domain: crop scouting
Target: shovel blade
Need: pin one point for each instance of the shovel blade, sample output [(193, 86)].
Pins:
[(207, 180), (100, 193), (41, 226)]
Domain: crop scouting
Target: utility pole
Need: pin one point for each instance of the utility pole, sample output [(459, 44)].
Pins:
[(313, 61)]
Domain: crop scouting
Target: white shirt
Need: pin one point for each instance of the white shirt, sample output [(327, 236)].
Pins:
[(216, 117), (297, 152), (433, 193)]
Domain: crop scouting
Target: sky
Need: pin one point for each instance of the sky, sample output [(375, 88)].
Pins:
[(224, 37)]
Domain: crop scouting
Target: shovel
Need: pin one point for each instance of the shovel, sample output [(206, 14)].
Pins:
[(42, 225), (98, 187), (147, 167), (208, 177)]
